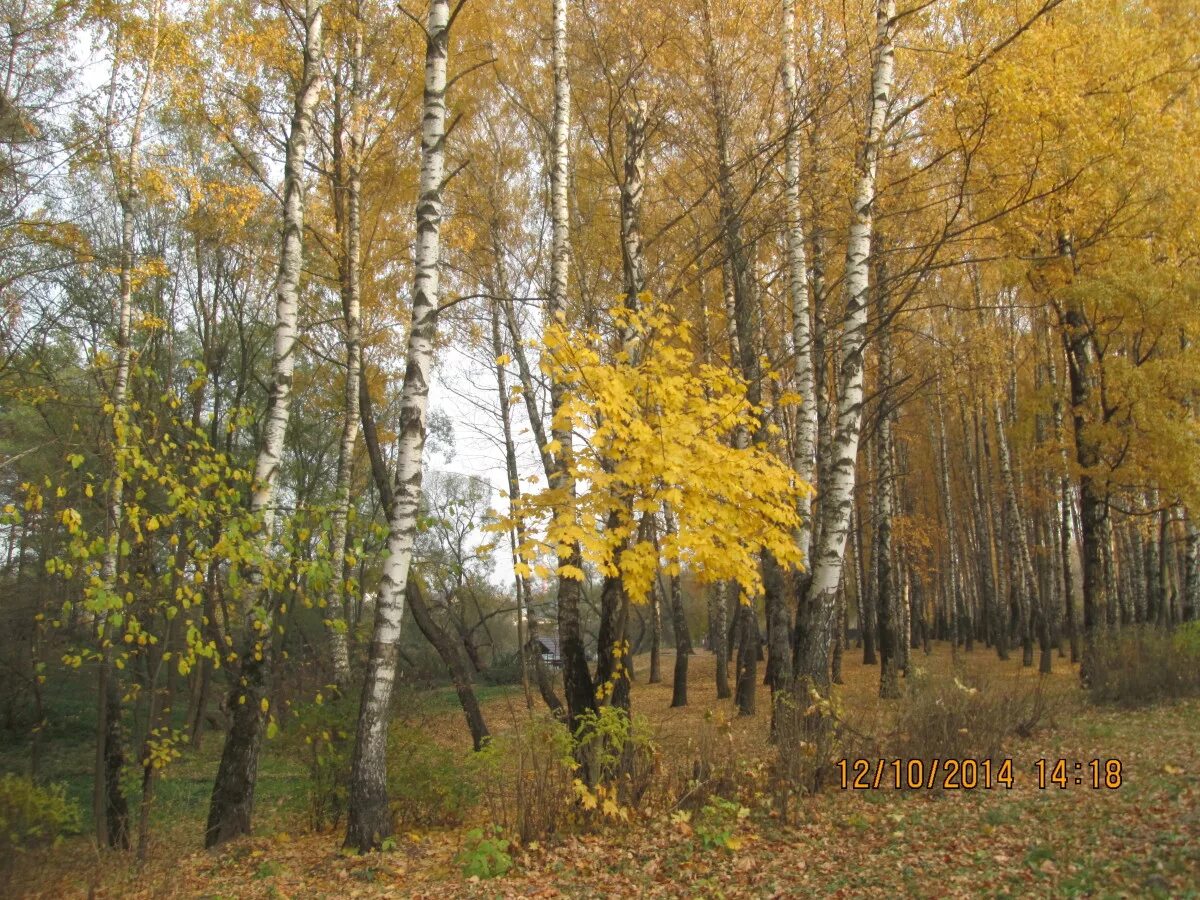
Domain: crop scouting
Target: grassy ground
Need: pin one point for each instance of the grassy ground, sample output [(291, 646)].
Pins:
[(1142, 839)]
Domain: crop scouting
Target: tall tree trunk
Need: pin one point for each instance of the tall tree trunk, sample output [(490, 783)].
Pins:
[(839, 637), (803, 380), (612, 669), (1003, 581), (867, 618), (612, 676), (891, 636), (350, 263), (1191, 583), (369, 820), (232, 800), (746, 677), (656, 601), (837, 496), (1025, 580), (110, 809), (740, 283), (577, 680), (954, 583), (683, 641), (1064, 504), (721, 628), (514, 491), (1083, 363)]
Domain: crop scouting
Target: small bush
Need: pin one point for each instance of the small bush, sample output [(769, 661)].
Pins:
[(945, 718), (33, 816), (707, 767), (808, 734), (505, 670), (1138, 666), (425, 781), (940, 717), (717, 822), (525, 777), (616, 753), (485, 855), (322, 739)]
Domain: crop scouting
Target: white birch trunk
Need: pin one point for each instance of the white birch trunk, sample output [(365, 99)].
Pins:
[(351, 325), (804, 460), (577, 682), (838, 496), (287, 289), (369, 816), (233, 790)]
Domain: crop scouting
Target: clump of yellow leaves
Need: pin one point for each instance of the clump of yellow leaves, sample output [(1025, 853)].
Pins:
[(654, 427)]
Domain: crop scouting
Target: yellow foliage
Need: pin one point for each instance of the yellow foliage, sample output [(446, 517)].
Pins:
[(660, 431)]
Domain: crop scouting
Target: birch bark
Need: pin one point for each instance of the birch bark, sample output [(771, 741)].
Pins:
[(815, 632), (577, 680), (1026, 578), (232, 800), (369, 819), (351, 328), (804, 460)]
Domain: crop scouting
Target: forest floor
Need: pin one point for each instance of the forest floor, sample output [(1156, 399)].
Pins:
[(1142, 839)]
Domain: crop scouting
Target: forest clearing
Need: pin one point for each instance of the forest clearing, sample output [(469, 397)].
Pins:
[(1142, 839), (599, 448)]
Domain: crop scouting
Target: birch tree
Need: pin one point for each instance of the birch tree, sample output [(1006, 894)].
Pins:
[(815, 627), (348, 150), (577, 681), (232, 800), (369, 821), (110, 810), (805, 439)]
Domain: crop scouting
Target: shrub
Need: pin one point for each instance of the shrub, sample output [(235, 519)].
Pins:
[(943, 717), (525, 777), (504, 671), (1142, 665), (425, 780), (323, 739), (486, 853), (940, 717), (616, 753), (33, 816), (708, 766), (716, 823)]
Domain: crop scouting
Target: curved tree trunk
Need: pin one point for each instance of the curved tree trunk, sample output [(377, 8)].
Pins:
[(448, 650), (514, 491), (369, 819)]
